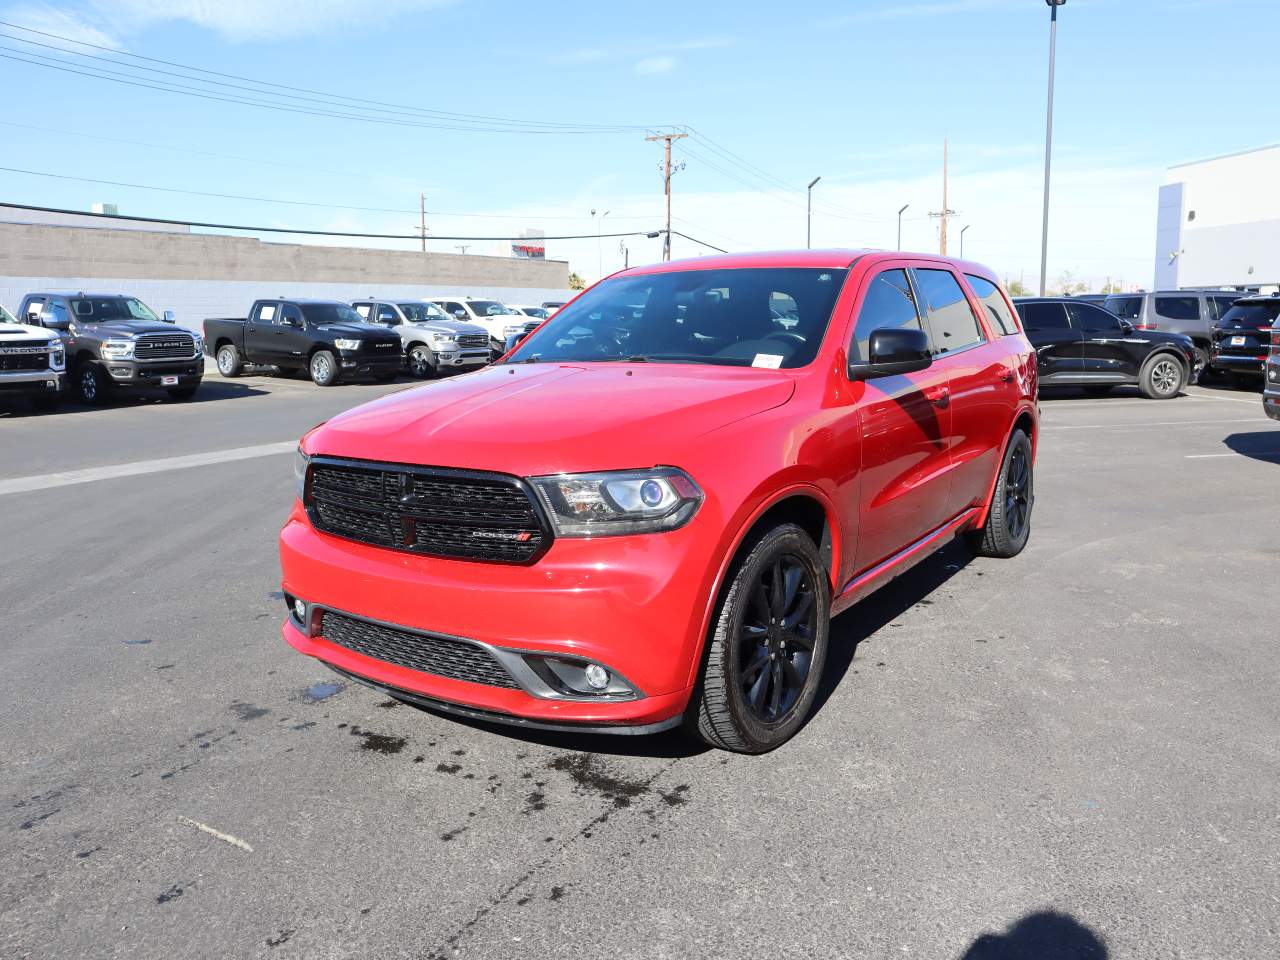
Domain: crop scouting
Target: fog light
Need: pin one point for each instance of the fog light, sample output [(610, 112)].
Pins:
[(597, 676), (300, 609)]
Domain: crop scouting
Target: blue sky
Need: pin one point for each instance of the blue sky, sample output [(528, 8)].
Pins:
[(861, 93)]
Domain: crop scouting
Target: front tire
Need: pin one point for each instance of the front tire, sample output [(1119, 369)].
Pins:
[(93, 386), (1008, 525), (1162, 377), (324, 368), (228, 358), (421, 363), (767, 647)]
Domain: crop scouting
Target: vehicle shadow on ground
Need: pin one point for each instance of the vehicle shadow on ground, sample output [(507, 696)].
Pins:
[(210, 391), (1120, 392), (1261, 445), (882, 608), (1045, 935)]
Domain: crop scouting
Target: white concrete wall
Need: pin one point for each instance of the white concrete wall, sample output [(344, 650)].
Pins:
[(192, 301), (1228, 230)]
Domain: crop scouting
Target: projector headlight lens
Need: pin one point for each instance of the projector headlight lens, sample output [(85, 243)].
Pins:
[(619, 502)]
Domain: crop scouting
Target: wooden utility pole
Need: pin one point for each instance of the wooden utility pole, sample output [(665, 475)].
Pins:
[(422, 210), (946, 211), (666, 138)]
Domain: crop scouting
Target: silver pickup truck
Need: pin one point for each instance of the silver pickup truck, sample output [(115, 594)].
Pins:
[(32, 362), (432, 340)]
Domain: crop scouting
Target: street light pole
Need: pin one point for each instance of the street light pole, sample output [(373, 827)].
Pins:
[(963, 230), (808, 232), (900, 211), (1048, 143)]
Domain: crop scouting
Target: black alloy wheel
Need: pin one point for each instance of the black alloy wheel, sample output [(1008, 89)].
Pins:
[(1008, 525), (767, 648), (92, 384)]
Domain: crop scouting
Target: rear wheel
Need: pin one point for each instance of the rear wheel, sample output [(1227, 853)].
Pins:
[(228, 358), (1162, 377), (324, 369), (92, 384), (421, 363), (1008, 525), (767, 648)]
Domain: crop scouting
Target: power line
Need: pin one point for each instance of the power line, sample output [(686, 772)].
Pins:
[(314, 233)]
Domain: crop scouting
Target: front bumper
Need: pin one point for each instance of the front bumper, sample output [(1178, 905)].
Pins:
[(32, 381), (634, 605), (150, 373), (360, 363), (468, 357)]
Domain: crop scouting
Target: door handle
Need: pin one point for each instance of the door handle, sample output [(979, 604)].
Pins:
[(938, 396)]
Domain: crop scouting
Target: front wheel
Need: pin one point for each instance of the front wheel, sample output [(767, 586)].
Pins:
[(324, 369), (767, 648), (422, 363), (1162, 377), (1008, 525)]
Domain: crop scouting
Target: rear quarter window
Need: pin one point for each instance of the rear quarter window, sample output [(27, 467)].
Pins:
[(1178, 308), (994, 303), (1128, 307), (952, 323)]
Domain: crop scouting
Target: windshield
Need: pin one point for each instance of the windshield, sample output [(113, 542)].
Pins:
[(745, 317), (6, 316), (98, 309), (1251, 315), (417, 312), (538, 312), (1130, 308), (489, 308), (321, 313)]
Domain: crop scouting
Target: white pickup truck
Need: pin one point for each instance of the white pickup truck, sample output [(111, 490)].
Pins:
[(32, 362), (499, 320)]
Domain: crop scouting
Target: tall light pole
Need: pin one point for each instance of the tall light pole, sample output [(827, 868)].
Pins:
[(808, 231), (900, 212), (599, 254), (963, 230), (1048, 143)]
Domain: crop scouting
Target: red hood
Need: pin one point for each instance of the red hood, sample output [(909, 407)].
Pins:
[(548, 418)]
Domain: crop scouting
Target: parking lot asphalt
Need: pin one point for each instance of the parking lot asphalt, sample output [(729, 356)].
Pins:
[(1077, 748)]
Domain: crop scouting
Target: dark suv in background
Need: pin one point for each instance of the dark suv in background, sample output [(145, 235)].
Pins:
[(1081, 345), (1241, 340)]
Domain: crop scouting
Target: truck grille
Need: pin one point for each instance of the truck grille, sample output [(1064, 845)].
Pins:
[(164, 346), (441, 656), (473, 339), (432, 511), (24, 358)]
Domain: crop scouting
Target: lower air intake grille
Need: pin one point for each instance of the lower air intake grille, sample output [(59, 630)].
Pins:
[(440, 656)]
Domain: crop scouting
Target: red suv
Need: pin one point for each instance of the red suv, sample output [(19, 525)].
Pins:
[(649, 511)]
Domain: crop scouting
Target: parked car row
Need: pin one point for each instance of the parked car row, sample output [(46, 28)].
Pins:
[(98, 344)]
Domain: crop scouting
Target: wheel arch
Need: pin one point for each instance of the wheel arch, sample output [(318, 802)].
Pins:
[(1027, 422), (800, 503), (1171, 352)]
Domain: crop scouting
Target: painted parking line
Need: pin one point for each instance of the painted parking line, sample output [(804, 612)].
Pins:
[(1053, 427), (1247, 456), (1257, 401), (138, 468)]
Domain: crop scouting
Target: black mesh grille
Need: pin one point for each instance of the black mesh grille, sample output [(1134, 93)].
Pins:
[(442, 513), (441, 656), (166, 346), (24, 361)]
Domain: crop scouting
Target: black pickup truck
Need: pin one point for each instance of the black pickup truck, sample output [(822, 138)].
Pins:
[(325, 338), (116, 342)]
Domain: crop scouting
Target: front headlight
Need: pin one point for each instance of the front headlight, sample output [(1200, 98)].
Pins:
[(347, 344), (117, 350), (199, 345), (300, 463), (618, 502), (440, 339), (57, 357)]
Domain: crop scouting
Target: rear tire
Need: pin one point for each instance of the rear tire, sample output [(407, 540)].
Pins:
[(767, 647), (1008, 525), (93, 386), (1162, 377), (228, 359), (324, 368)]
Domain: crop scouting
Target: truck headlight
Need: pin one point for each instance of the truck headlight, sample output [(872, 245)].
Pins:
[(618, 502), (57, 357), (198, 346), (347, 344), (300, 463), (440, 339), (117, 350)]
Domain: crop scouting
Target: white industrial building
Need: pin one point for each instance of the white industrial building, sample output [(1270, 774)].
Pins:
[(1219, 222)]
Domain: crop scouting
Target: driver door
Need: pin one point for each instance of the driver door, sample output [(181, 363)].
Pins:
[(904, 423)]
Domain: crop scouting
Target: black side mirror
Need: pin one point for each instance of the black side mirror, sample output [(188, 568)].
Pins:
[(514, 341), (168, 317), (291, 322), (1126, 327), (893, 352), (33, 318)]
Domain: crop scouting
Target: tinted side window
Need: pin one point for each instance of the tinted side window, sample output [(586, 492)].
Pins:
[(34, 305), (1043, 316), (1219, 305), (889, 304), (1128, 307), (387, 314), (291, 313), (363, 309), (56, 315), (952, 324), (993, 302), (266, 313), (1091, 319), (1178, 308)]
